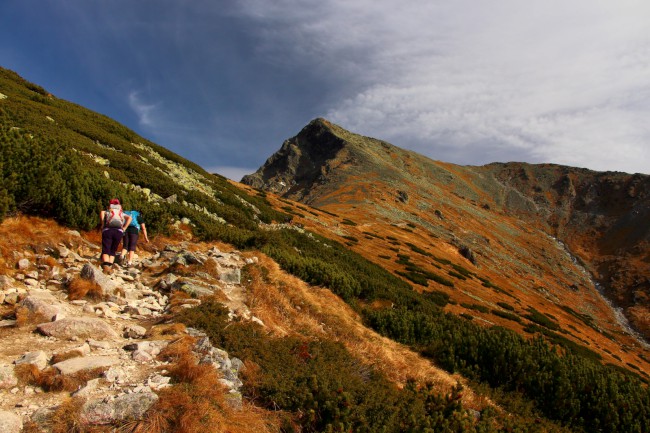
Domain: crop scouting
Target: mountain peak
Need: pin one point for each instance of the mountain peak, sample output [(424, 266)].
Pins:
[(302, 160)]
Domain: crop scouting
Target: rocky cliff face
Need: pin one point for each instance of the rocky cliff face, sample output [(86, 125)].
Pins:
[(601, 217)]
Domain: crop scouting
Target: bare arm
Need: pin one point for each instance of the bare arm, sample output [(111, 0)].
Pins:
[(144, 232), (127, 222)]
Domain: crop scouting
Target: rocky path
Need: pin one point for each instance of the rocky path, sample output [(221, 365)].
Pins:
[(105, 342)]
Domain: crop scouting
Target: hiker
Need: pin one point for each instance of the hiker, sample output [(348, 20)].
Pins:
[(131, 235), (113, 221)]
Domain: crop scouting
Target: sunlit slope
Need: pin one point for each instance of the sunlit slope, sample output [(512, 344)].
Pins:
[(470, 232)]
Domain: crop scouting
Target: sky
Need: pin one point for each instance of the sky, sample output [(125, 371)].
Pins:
[(224, 82)]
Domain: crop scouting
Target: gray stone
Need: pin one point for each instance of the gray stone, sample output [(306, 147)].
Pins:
[(78, 328), (141, 356), (8, 378), (37, 358), (231, 276), (10, 422), (43, 418), (6, 281), (137, 311), (123, 407), (115, 374), (63, 251), (12, 298), (236, 364), (193, 289), (47, 307), (151, 347), (94, 274), (167, 282), (31, 282), (23, 264), (74, 365), (134, 331), (158, 382), (87, 389), (94, 344), (186, 258)]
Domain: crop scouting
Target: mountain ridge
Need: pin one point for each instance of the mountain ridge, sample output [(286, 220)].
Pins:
[(593, 213)]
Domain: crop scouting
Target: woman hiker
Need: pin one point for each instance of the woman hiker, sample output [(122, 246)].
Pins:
[(131, 235), (113, 221)]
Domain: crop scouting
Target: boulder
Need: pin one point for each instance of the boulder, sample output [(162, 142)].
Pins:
[(8, 378), (45, 306), (192, 289), (134, 331), (37, 358), (23, 264), (121, 408), (42, 417), (12, 298), (231, 276), (94, 274), (63, 251), (6, 282), (10, 422), (88, 388), (82, 328), (74, 365)]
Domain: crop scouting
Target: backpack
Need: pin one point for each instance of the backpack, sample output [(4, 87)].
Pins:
[(114, 217)]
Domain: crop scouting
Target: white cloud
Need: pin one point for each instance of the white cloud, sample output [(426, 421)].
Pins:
[(472, 82), (144, 111)]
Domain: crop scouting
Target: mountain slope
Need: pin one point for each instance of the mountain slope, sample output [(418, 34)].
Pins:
[(501, 221)]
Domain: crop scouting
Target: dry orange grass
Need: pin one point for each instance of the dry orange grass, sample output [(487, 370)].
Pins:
[(26, 317), (80, 288), (65, 419), (51, 380), (64, 356), (31, 234), (288, 306), (166, 330), (197, 402)]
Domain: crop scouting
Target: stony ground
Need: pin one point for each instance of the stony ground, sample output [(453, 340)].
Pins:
[(107, 339)]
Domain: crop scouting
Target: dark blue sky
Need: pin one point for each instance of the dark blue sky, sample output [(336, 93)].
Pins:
[(224, 83)]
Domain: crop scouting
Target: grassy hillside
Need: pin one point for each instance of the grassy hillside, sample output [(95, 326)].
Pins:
[(61, 161)]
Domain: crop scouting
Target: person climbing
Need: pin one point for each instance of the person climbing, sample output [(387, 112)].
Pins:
[(113, 221), (131, 235)]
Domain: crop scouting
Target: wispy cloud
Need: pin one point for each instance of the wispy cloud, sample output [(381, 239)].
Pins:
[(145, 111), (473, 82)]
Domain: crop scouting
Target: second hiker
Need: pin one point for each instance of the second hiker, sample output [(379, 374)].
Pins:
[(131, 235)]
